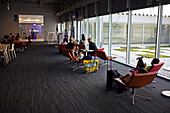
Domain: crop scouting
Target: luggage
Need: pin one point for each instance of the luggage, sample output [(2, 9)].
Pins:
[(111, 74), (91, 65)]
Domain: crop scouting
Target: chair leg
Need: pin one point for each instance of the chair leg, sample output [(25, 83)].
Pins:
[(6, 58), (152, 84), (9, 55), (133, 94), (78, 67), (14, 54)]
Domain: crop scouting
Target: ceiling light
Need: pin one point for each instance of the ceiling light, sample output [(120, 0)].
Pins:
[(31, 20)]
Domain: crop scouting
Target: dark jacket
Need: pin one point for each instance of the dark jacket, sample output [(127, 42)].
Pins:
[(92, 46), (70, 45)]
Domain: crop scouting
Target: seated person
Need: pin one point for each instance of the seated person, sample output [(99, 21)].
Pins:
[(140, 68), (83, 40), (13, 38), (70, 45), (154, 61), (64, 41), (92, 45), (5, 40), (19, 43), (79, 56)]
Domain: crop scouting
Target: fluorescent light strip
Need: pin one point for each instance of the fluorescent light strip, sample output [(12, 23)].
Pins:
[(31, 20)]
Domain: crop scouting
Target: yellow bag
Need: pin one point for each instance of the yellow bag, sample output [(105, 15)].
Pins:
[(91, 65)]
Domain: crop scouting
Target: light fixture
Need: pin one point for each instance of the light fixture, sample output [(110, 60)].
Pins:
[(8, 6), (31, 20)]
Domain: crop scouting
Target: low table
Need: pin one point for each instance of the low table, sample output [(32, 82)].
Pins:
[(167, 68), (166, 93)]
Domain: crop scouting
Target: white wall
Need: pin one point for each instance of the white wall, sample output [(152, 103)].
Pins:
[(8, 25)]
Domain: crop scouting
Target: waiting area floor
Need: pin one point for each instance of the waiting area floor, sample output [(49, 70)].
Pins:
[(37, 81)]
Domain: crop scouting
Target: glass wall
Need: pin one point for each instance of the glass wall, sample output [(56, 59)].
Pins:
[(92, 28), (104, 40), (143, 34), (165, 40), (69, 29), (119, 36)]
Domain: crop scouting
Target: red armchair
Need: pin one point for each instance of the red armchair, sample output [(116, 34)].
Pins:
[(61, 47)]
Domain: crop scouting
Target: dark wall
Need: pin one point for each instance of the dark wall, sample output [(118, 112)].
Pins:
[(116, 6)]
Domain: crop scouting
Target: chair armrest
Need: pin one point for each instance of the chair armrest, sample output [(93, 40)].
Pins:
[(111, 58)]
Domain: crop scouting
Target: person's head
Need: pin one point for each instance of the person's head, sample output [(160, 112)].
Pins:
[(90, 40), (83, 37), (18, 38), (13, 37), (6, 36), (71, 39), (10, 34), (65, 40), (31, 29), (65, 30), (155, 61), (140, 63)]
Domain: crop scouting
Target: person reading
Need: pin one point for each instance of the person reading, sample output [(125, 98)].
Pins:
[(140, 68)]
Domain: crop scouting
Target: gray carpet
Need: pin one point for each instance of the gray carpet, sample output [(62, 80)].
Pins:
[(37, 81)]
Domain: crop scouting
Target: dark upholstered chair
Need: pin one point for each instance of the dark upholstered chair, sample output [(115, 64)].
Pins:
[(61, 47), (75, 61), (65, 53), (81, 46), (137, 81), (102, 55), (156, 67)]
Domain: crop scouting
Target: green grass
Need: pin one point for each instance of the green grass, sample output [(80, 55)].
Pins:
[(152, 56), (148, 52), (123, 49), (134, 49), (150, 47)]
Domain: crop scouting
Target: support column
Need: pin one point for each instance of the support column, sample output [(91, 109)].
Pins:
[(101, 33), (110, 34), (92, 30), (129, 36), (83, 28), (159, 30), (79, 30), (143, 33), (97, 31), (87, 36)]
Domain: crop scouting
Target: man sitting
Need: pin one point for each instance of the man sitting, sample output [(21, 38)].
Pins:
[(70, 45)]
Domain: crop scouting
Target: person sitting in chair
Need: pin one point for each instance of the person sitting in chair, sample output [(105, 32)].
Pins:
[(140, 68), (154, 61), (79, 56), (70, 45)]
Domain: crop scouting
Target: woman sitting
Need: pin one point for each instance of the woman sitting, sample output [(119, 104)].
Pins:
[(154, 61), (140, 68), (79, 56)]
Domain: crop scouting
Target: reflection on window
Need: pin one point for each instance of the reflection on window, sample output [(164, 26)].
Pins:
[(143, 34), (119, 36), (165, 40)]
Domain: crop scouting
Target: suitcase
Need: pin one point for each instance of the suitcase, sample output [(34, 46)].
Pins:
[(111, 74), (90, 65)]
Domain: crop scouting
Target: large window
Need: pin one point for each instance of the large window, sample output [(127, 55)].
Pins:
[(165, 40), (119, 36), (104, 35), (92, 28), (143, 34)]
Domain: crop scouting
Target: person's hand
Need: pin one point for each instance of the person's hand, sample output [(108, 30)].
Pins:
[(145, 65)]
